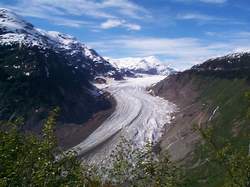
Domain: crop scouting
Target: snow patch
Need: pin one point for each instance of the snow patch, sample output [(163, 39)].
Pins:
[(147, 65), (138, 116)]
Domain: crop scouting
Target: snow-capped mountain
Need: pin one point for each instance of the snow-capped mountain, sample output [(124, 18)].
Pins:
[(147, 65), (230, 62), (16, 31), (40, 70)]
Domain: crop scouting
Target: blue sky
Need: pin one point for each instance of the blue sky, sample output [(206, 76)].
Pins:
[(179, 32)]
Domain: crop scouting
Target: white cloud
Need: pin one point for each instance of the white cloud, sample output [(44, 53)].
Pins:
[(208, 19), (94, 9), (132, 26), (57, 20), (204, 1), (69, 22), (183, 52), (243, 34), (214, 1), (111, 23), (127, 8), (197, 16)]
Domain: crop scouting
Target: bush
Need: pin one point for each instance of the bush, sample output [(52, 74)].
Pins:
[(140, 167), (27, 160), (235, 162)]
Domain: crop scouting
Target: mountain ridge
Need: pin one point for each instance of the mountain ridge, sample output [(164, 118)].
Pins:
[(209, 95), (142, 65), (15, 30), (40, 70)]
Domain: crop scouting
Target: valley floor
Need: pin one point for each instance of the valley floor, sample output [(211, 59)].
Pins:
[(138, 116)]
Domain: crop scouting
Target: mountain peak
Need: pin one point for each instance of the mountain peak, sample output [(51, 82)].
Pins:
[(145, 65), (41, 68), (14, 31), (11, 22)]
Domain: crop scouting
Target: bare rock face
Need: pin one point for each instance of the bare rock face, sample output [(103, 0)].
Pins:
[(179, 138)]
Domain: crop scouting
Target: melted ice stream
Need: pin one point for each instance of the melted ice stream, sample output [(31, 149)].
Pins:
[(138, 116)]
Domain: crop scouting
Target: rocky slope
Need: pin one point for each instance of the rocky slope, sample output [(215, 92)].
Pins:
[(14, 30), (147, 65), (210, 94), (40, 70)]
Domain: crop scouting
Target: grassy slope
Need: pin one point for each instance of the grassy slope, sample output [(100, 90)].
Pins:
[(230, 123)]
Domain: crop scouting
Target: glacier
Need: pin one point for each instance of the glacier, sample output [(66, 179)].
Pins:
[(139, 117)]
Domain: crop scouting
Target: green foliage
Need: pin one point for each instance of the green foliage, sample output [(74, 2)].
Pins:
[(235, 162), (139, 167), (247, 96), (26, 160), (231, 130), (226, 157)]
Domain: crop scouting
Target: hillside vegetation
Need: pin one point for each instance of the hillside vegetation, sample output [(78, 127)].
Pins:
[(26, 160), (30, 161), (229, 123), (213, 95)]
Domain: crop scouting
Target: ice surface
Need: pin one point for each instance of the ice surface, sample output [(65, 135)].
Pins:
[(138, 116)]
